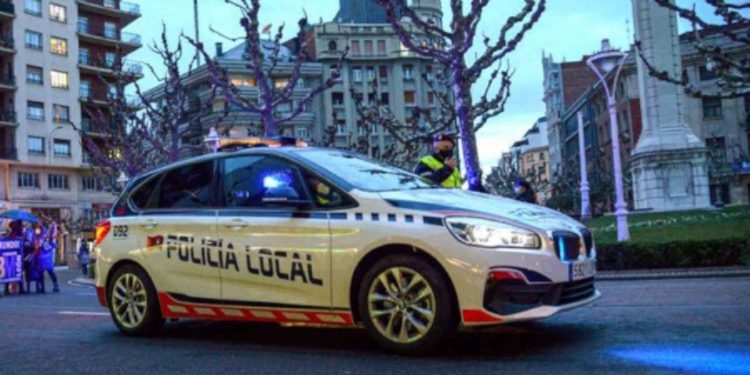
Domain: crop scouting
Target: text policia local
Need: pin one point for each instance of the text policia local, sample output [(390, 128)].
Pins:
[(282, 265)]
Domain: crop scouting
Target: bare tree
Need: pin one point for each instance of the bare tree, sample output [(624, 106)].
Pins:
[(130, 135), (450, 46), (408, 137), (733, 72), (263, 58)]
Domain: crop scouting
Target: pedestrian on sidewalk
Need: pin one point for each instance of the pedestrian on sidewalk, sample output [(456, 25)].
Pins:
[(45, 244), (524, 191), (83, 257)]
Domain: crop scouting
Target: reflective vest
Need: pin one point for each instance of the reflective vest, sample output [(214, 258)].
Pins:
[(453, 181)]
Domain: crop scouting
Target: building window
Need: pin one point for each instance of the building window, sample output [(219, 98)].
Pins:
[(33, 40), (384, 98), (33, 7), (334, 69), (61, 147), (368, 48), (34, 74), (357, 74), (281, 83), (431, 98), (83, 56), (355, 47), (541, 156), (332, 46), (341, 127), (381, 47), (89, 183), (83, 24), (707, 74), (58, 46), (337, 98), (370, 73), (58, 181), (110, 59), (302, 133), (84, 89), (58, 13), (28, 180), (383, 73), (712, 108), (428, 72), (410, 97), (35, 144), (60, 113), (408, 72), (59, 79), (111, 91), (110, 30), (243, 80), (35, 110)]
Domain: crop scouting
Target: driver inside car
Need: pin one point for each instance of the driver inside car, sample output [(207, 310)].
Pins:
[(324, 195)]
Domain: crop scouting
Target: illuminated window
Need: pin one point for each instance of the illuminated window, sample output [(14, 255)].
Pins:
[(410, 97), (61, 113), (59, 79), (58, 13), (58, 46), (243, 80), (280, 83)]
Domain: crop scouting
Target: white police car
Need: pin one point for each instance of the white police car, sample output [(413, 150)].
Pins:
[(321, 236)]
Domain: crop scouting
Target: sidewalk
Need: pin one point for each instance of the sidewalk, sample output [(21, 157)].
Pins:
[(675, 273)]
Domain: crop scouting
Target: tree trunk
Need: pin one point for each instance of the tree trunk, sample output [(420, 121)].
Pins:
[(463, 107)]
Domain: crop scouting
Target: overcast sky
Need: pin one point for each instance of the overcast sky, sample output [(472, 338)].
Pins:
[(567, 30)]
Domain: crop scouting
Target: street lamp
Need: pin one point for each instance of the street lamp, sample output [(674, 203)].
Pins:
[(603, 63), (50, 143), (585, 205), (212, 140)]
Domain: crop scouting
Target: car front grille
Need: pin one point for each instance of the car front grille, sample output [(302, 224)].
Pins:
[(567, 245), (507, 297), (588, 241)]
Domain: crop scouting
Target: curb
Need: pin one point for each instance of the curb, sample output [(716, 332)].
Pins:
[(679, 273), (83, 281)]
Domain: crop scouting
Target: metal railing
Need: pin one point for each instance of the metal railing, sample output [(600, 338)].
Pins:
[(126, 66), (8, 116), (122, 36), (8, 153), (124, 6), (7, 42), (8, 80), (6, 6)]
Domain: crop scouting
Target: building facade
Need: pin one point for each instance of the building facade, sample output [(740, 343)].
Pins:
[(721, 124), (56, 58), (530, 156)]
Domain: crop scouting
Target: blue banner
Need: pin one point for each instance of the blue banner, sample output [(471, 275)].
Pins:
[(11, 260)]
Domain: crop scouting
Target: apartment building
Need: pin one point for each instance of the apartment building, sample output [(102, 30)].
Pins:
[(375, 53), (56, 59)]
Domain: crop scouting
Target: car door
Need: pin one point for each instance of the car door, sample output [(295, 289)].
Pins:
[(176, 230), (281, 246)]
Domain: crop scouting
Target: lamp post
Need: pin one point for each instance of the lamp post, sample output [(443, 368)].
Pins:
[(212, 140), (603, 63), (50, 143), (585, 205)]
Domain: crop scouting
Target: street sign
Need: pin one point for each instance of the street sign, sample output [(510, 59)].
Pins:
[(11, 260)]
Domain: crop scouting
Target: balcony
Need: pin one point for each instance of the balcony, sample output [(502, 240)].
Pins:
[(8, 118), (127, 42), (108, 69), (7, 45), (7, 9), (8, 153), (7, 83), (126, 11)]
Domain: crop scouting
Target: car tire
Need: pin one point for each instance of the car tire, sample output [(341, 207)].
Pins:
[(414, 321), (133, 303)]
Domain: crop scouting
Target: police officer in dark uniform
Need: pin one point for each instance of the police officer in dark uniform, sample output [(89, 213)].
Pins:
[(441, 167)]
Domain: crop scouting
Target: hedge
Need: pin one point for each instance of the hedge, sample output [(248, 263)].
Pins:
[(673, 254)]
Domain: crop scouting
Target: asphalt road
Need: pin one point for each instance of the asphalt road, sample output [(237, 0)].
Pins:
[(657, 326)]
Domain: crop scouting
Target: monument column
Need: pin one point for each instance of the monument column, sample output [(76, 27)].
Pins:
[(669, 162)]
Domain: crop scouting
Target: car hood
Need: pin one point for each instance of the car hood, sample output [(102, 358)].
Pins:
[(445, 202)]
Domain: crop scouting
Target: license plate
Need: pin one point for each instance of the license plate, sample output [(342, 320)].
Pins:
[(581, 270)]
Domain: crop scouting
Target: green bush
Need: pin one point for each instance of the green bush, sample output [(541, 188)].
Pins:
[(674, 254)]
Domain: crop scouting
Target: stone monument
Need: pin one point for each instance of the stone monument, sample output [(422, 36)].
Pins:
[(669, 163)]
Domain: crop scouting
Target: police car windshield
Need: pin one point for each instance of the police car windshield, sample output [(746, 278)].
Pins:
[(365, 173)]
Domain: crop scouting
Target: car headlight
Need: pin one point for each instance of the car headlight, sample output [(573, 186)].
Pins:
[(488, 233)]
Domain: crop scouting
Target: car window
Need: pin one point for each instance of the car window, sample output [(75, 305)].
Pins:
[(185, 187), (261, 181)]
